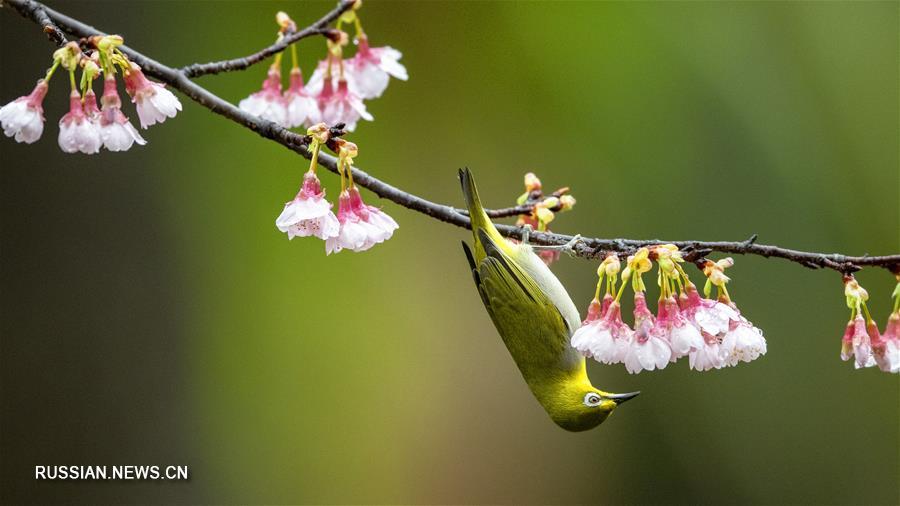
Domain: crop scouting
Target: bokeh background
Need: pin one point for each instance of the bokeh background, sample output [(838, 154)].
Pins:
[(152, 314)]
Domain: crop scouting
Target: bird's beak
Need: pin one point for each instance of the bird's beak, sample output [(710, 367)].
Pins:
[(620, 398)]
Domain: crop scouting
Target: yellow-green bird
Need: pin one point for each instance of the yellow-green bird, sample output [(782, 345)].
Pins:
[(535, 317)]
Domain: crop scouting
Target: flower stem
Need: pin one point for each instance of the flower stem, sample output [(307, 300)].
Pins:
[(52, 70), (866, 312), (599, 282), (294, 62), (622, 288), (72, 80), (349, 170), (314, 159)]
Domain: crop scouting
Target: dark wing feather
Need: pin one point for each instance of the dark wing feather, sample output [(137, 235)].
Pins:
[(531, 326)]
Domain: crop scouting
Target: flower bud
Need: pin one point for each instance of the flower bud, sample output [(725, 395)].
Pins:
[(855, 294), (610, 265), (90, 69), (68, 55), (346, 149), (337, 40), (566, 202), (640, 261), (544, 215), (532, 182), (670, 253), (715, 271), (666, 265), (549, 203), (319, 132), (725, 263), (107, 42), (285, 22)]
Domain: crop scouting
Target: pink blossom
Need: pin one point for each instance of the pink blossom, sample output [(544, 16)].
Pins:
[(352, 234), (708, 356), (383, 226), (742, 343), (153, 101), (117, 133), (603, 335), (24, 116), (309, 214), (324, 94), (682, 335), (371, 68), (342, 106), (76, 131), (268, 103), (708, 315), (647, 350), (886, 347), (301, 107), (857, 343), (362, 226), (91, 111), (317, 80)]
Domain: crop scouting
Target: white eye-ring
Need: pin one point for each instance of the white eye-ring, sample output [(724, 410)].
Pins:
[(591, 399)]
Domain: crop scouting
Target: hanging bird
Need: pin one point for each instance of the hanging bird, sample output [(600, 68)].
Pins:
[(535, 317)]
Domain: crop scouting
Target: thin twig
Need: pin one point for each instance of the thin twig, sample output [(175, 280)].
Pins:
[(317, 28), (587, 247)]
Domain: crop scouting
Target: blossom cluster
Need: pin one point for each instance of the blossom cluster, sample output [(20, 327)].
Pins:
[(336, 89), (712, 334), (86, 127), (543, 211), (862, 341), (356, 227)]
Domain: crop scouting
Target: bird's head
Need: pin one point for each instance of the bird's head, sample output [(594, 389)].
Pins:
[(578, 406)]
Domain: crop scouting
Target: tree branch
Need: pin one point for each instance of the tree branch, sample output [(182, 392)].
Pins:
[(587, 247), (317, 28), (37, 13)]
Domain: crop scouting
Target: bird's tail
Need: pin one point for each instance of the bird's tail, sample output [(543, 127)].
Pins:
[(479, 219)]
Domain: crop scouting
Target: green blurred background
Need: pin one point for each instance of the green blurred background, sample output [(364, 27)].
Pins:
[(152, 314)]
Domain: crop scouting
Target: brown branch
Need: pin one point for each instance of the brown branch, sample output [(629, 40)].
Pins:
[(317, 28), (534, 198), (586, 247), (37, 13)]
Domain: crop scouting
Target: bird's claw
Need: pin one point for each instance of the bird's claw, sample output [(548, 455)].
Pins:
[(569, 247), (526, 233)]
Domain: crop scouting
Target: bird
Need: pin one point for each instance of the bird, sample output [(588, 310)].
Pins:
[(535, 317)]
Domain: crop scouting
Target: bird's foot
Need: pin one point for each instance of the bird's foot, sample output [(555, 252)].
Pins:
[(567, 248), (526, 233)]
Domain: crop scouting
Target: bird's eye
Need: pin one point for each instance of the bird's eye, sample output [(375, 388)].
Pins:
[(591, 399)]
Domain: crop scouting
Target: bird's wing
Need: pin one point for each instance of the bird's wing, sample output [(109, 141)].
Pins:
[(530, 324)]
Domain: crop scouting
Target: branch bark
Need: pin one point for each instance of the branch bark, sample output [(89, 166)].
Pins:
[(587, 248), (37, 13), (317, 28)]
